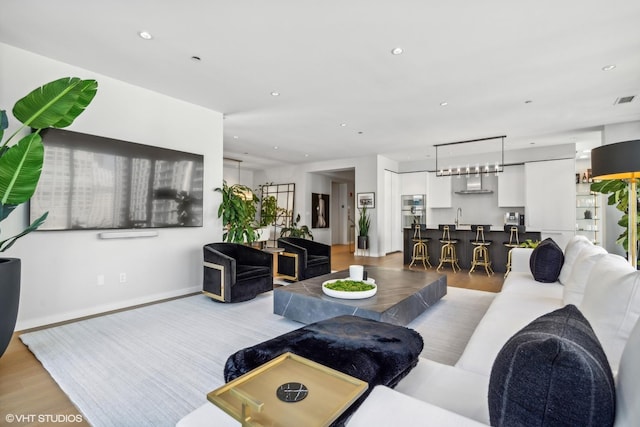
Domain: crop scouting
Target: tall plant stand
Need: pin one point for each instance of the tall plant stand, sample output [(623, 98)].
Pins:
[(363, 245)]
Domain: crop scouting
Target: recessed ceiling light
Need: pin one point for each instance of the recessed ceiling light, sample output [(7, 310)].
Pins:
[(274, 93), (275, 148), (145, 35), (306, 155), (444, 103), (196, 58), (397, 51), (343, 124), (235, 136), (608, 67)]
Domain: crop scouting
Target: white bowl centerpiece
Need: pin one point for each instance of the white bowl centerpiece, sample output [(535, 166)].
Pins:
[(349, 288)]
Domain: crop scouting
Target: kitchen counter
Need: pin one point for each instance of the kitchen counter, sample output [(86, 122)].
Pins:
[(464, 249)]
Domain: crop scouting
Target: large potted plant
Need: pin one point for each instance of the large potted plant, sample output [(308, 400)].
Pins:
[(238, 213), (364, 222), (618, 196), (56, 104)]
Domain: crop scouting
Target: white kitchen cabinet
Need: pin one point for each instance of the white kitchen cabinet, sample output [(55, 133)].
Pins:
[(413, 183), (438, 191), (550, 195), (511, 187)]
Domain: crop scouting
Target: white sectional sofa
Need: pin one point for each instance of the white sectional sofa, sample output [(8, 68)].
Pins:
[(604, 287)]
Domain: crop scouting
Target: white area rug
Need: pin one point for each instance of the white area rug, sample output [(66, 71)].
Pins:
[(153, 365)]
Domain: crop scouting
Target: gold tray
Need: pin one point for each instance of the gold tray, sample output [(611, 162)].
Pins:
[(251, 398)]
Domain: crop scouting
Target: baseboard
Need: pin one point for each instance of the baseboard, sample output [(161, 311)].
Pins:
[(102, 309)]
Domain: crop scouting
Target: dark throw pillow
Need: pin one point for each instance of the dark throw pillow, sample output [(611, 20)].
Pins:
[(546, 261), (553, 372)]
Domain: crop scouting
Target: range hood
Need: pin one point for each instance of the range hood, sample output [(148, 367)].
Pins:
[(474, 186)]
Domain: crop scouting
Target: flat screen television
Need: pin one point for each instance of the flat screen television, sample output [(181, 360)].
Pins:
[(92, 182)]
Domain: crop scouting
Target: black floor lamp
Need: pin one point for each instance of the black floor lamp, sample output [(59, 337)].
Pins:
[(621, 161)]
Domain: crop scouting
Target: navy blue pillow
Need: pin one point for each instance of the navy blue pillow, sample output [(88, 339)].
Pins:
[(553, 372), (546, 261)]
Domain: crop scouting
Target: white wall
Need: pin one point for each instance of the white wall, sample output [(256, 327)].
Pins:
[(369, 177), (60, 269)]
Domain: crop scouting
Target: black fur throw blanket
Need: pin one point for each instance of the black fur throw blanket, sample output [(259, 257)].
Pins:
[(376, 352)]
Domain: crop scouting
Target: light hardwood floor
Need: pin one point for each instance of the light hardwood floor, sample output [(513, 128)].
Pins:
[(26, 389)]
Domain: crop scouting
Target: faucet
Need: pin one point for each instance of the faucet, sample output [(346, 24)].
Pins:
[(458, 216)]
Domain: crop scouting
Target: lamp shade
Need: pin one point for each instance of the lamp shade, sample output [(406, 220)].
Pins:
[(616, 161)]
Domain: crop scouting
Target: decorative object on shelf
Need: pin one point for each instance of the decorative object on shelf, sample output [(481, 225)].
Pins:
[(458, 149), (588, 214), (366, 200), (56, 104), (238, 213), (296, 231), (364, 222), (621, 161), (320, 210)]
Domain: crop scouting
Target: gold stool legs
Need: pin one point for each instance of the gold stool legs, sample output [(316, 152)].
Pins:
[(508, 264), (481, 257), (420, 254), (448, 255)]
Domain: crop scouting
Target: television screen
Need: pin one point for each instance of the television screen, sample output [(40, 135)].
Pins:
[(92, 182)]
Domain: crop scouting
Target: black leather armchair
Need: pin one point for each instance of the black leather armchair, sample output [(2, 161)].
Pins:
[(303, 259), (235, 272)]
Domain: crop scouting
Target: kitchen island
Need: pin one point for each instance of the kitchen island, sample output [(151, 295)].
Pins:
[(464, 249)]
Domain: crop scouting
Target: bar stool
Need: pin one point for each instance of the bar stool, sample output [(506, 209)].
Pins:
[(448, 248), (514, 242), (420, 252), (481, 249)]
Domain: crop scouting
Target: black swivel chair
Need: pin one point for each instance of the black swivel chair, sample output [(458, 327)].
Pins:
[(303, 258), (235, 272)]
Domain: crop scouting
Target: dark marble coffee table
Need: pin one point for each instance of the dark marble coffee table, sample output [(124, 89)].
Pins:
[(402, 295)]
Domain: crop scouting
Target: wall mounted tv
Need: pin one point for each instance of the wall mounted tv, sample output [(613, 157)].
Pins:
[(92, 182)]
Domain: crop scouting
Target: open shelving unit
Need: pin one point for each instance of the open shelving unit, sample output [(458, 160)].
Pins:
[(588, 213)]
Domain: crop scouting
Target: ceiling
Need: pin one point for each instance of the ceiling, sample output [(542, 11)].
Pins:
[(531, 70)]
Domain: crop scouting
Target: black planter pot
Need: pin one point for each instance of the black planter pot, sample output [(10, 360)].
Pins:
[(9, 299), (363, 242)]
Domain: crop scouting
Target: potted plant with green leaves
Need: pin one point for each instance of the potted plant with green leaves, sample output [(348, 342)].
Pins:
[(56, 104), (364, 222), (238, 212), (294, 230), (618, 196)]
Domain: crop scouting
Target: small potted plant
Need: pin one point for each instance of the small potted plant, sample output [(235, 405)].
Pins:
[(296, 231), (364, 222)]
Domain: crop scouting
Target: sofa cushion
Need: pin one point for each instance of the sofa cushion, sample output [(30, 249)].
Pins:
[(627, 384), (546, 261), (251, 271), (611, 303), (508, 313), (576, 282), (571, 253), (317, 260), (552, 372)]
